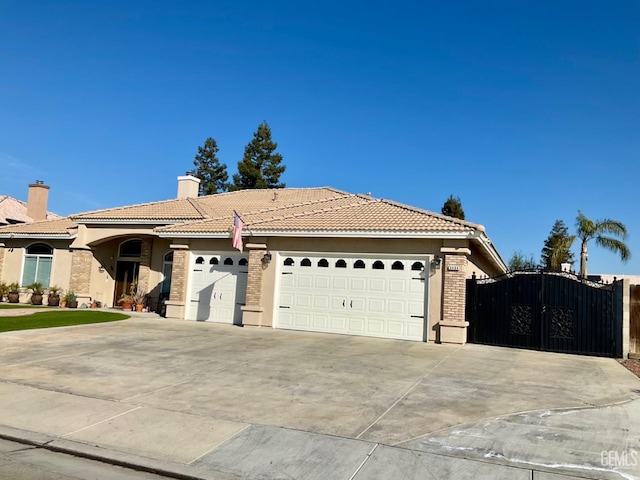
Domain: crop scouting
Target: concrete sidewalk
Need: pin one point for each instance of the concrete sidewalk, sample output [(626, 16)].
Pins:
[(193, 400)]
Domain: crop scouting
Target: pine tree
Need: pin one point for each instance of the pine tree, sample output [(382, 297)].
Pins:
[(261, 165), (557, 247), (519, 261), (212, 174), (453, 208)]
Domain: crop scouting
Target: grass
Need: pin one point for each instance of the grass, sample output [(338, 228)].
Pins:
[(57, 318), (6, 306)]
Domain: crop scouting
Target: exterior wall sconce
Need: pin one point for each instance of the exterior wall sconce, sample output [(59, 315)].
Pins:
[(101, 269), (436, 262), (266, 259)]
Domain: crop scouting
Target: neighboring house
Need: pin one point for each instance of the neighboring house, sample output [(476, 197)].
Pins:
[(13, 211), (315, 259)]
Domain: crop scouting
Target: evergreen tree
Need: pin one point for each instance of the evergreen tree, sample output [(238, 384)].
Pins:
[(261, 165), (557, 247), (453, 208), (212, 174), (519, 261)]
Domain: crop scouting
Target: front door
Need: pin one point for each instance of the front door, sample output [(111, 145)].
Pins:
[(126, 275)]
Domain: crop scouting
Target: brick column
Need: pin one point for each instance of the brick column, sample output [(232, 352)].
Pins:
[(145, 264), (179, 272), (2, 248), (252, 310), (453, 327), (80, 281)]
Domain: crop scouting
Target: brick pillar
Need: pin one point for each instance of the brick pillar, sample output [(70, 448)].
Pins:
[(177, 295), (80, 281), (252, 310), (145, 264), (2, 248), (453, 327)]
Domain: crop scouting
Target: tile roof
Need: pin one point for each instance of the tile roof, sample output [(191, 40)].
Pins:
[(343, 213), (13, 210), (59, 226)]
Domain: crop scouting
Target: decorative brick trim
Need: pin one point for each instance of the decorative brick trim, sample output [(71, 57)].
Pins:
[(179, 276), (2, 248), (80, 280), (252, 311), (145, 264), (454, 288)]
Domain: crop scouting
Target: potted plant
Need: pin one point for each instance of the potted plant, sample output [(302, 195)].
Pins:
[(71, 299), (54, 296), (4, 289), (37, 291), (139, 297), (14, 292), (126, 301)]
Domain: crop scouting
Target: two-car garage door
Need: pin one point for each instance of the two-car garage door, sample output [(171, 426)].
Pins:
[(370, 296)]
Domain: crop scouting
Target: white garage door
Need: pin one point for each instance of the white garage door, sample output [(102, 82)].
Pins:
[(217, 287), (371, 296)]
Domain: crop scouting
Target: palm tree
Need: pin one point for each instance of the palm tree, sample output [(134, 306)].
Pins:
[(588, 229)]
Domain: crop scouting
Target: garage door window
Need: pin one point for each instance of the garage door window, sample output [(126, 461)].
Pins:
[(378, 265), (289, 262), (341, 264), (323, 262), (228, 261), (359, 264), (214, 261), (397, 265), (242, 262), (199, 261), (419, 266), (305, 262)]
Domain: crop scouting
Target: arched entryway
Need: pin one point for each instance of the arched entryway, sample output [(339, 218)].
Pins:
[(127, 267)]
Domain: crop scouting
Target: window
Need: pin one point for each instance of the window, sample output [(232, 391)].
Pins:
[(214, 261), (378, 265), (419, 266), (305, 262), (397, 265), (228, 261), (289, 262), (359, 264), (323, 262), (341, 264), (199, 261), (37, 265), (242, 262), (167, 269), (131, 248)]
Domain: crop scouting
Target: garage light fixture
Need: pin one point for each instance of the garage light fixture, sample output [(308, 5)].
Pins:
[(266, 259), (436, 262)]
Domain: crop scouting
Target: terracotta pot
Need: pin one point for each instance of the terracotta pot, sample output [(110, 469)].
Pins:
[(13, 297), (63, 303), (126, 305), (139, 307)]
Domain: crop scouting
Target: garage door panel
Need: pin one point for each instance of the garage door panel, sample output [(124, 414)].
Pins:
[(371, 301)]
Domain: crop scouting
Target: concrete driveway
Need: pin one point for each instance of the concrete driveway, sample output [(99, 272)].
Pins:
[(219, 401)]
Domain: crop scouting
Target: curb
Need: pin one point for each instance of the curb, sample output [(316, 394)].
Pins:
[(111, 457)]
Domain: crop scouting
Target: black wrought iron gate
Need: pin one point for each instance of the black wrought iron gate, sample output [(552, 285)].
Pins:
[(557, 312)]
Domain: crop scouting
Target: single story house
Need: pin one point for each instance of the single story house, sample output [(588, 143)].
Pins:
[(315, 259)]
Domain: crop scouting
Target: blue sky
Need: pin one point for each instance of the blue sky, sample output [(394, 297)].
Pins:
[(528, 110)]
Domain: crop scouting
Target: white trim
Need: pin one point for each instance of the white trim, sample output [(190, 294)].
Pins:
[(325, 234)]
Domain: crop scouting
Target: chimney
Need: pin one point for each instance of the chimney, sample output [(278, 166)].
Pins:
[(37, 201), (188, 186)]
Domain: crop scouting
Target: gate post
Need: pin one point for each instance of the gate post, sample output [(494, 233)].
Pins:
[(452, 326)]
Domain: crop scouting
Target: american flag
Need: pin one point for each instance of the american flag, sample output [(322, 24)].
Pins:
[(237, 231)]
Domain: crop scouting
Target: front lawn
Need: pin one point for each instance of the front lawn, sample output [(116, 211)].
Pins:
[(4, 306), (57, 318)]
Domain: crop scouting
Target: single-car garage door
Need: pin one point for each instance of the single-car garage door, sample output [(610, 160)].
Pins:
[(217, 287), (371, 296)]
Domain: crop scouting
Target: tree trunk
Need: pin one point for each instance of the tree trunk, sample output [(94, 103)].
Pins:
[(583, 259)]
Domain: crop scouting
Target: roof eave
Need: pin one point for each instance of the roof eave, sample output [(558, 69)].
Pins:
[(131, 221), (324, 234), (49, 236)]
